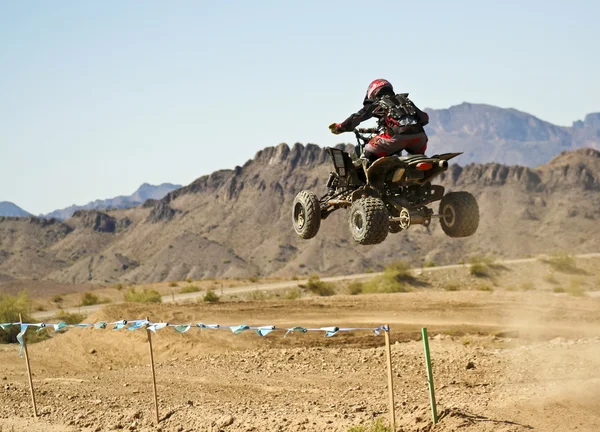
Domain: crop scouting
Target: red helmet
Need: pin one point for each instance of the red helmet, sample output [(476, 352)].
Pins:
[(377, 87)]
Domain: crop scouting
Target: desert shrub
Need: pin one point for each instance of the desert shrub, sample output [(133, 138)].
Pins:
[(429, 263), (119, 287), (258, 295), (89, 299), (479, 270), (377, 426), (211, 297), (355, 288), (294, 278), (527, 286), (144, 296), (395, 278), (69, 318), (484, 288), (559, 290), (173, 284), (551, 278), (562, 262), (10, 308), (188, 280), (189, 289), (253, 279), (576, 288), (58, 299), (318, 287), (480, 266), (452, 286), (292, 294)]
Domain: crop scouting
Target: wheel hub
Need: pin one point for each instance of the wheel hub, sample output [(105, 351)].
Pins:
[(404, 218), (449, 215), (300, 218), (358, 222)]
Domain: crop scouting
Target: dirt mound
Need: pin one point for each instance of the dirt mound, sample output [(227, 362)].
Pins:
[(486, 381)]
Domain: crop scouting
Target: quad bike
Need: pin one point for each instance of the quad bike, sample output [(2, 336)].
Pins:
[(386, 196)]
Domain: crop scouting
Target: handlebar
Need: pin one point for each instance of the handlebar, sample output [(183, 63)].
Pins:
[(366, 130), (361, 139)]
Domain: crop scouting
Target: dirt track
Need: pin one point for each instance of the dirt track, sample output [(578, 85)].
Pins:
[(273, 286), (536, 358)]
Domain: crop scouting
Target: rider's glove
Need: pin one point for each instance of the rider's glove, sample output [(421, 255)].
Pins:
[(335, 128)]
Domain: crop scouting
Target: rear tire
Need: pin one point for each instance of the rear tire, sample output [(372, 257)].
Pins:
[(306, 214), (368, 221), (459, 214)]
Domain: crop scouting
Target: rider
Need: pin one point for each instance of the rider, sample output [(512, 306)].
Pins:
[(396, 134)]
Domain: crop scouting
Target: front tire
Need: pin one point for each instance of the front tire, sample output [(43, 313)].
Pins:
[(459, 214), (368, 221), (306, 214)]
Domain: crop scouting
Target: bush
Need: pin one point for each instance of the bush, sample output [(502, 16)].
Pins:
[(58, 299), (211, 297), (355, 288), (527, 286), (479, 270), (479, 266), (550, 278), (575, 288), (89, 299), (145, 296), (189, 289), (452, 286), (484, 288), (253, 279), (395, 279), (259, 295), (119, 287), (429, 263), (377, 426), (69, 318), (188, 280), (10, 308), (292, 294), (559, 290), (318, 287), (561, 261), (173, 284)]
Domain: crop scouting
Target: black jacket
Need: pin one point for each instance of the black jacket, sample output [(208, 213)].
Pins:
[(369, 110)]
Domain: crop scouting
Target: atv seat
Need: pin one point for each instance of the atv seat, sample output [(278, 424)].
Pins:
[(412, 157)]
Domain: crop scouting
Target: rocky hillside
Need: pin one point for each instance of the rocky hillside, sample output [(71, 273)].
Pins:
[(236, 223), (12, 210), (487, 133), (143, 193)]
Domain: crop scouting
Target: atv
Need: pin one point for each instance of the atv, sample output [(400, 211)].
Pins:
[(385, 196)]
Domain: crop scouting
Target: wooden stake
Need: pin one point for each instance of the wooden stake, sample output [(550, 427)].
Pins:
[(149, 333), (35, 414), (390, 378), (429, 376)]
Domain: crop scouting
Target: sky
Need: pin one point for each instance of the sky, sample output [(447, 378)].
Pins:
[(97, 98)]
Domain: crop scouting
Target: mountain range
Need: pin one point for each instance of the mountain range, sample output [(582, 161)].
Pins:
[(12, 210), (143, 193), (237, 223), (487, 133)]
